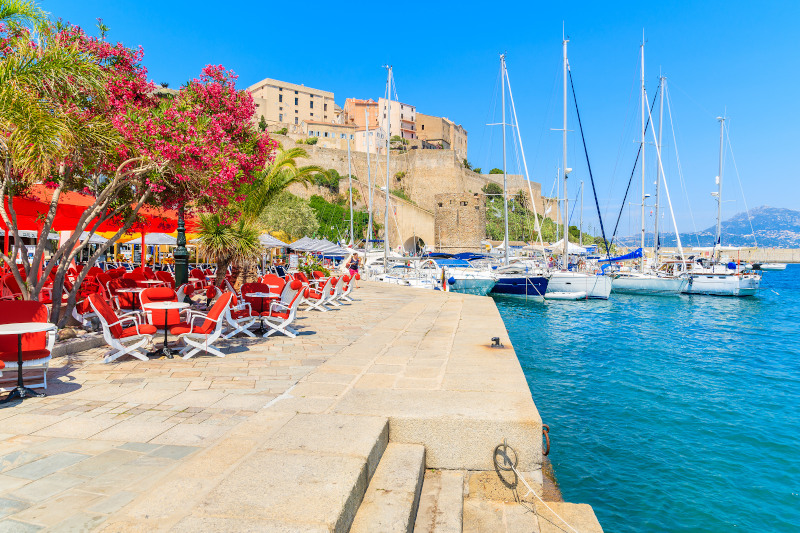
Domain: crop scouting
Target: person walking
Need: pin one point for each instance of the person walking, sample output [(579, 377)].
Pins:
[(352, 266)]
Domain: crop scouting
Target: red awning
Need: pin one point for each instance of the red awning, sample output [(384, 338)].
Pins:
[(32, 209)]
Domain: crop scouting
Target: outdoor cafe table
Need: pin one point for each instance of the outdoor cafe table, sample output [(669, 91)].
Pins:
[(262, 296), (19, 329), (166, 306), (153, 282), (136, 290)]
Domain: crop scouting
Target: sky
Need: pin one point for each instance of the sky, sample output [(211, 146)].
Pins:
[(735, 58)]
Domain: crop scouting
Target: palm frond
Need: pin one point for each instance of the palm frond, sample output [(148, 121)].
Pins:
[(21, 12)]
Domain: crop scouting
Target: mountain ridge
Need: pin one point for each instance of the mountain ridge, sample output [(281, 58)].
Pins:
[(772, 227)]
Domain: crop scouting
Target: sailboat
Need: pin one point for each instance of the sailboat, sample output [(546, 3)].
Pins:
[(565, 280), (713, 276), (646, 280), (518, 278)]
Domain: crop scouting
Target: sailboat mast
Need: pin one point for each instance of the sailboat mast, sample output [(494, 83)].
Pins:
[(580, 227), (565, 256), (350, 183), (558, 200), (656, 234), (388, 146), (641, 260), (368, 245), (505, 181), (718, 242)]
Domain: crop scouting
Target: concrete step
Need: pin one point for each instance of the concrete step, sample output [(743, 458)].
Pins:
[(511, 517), (390, 504), (578, 515), (309, 475), (441, 503)]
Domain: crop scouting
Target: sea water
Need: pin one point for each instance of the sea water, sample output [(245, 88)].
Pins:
[(676, 413)]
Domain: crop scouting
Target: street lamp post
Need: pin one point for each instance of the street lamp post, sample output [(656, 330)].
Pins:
[(181, 254)]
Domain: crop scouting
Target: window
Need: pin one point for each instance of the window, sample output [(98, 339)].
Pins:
[(351, 137), (324, 107), (280, 109), (296, 100), (295, 92), (295, 110), (295, 120), (401, 115), (312, 114), (423, 127), (280, 98), (280, 117), (311, 104)]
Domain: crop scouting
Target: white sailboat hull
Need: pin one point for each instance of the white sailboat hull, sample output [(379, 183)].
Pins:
[(773, 266), (723, 285), (594, 286), (648, 284)]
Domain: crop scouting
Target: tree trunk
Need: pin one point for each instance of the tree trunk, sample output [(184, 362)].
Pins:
[(243, 273)]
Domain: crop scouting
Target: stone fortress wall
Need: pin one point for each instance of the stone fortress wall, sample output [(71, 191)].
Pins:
[(422, 175)]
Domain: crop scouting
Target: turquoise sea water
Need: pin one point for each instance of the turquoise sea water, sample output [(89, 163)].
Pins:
[(671, 413)]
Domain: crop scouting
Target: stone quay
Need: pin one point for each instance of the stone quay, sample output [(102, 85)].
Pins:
[(381, 415)]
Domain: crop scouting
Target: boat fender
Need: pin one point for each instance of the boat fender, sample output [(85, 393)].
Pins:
[(451, 280), (732, 266)]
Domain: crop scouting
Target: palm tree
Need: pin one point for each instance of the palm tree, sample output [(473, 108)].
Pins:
[(236, 245), (36, 132)]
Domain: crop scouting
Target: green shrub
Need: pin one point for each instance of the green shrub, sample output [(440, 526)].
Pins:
[(495, 171), (311, 140)]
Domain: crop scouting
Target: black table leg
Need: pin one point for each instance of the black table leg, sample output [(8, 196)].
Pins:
[(21, 392)]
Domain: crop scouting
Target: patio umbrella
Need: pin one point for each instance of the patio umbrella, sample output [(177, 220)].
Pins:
[(269, 241)]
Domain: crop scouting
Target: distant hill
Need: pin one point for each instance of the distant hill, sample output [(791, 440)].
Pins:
[(774, 227)]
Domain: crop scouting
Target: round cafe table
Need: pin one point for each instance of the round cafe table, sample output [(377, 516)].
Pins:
[(262, 296), (21, 392), (166, 306)]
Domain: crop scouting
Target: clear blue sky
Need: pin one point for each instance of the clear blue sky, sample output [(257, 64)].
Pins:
[(734, 55)]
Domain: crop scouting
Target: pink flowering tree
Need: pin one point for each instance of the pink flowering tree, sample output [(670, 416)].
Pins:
[(124, 143)]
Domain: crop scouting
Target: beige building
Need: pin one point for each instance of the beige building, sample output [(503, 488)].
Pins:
[(354, 112), (288, 104), (377, 140), (330, 135), (403, 118), (443, 132)]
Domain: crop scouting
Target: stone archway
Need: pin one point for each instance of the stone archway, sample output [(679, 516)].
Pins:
[(414, 245)]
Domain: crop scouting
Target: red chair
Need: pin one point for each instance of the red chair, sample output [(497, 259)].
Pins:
[(258, 303), (36, 347), (166, 277), (202, 337), (160, 317), (138, 334), (116, 273), (94, 271), (318, 275), (272, 279), (281, 314), (240, 318), (200, 276), (124, 300), (11, 290), (137, 278), (318, 297)]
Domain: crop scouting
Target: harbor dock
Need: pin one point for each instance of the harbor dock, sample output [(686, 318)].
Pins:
[(381, 415)]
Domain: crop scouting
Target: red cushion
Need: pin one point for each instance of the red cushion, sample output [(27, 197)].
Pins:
[(27, 355), (311, 293), (23, 311), (277, 314), (242, 313), (183, 327), (144, 329), (2, 364)]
